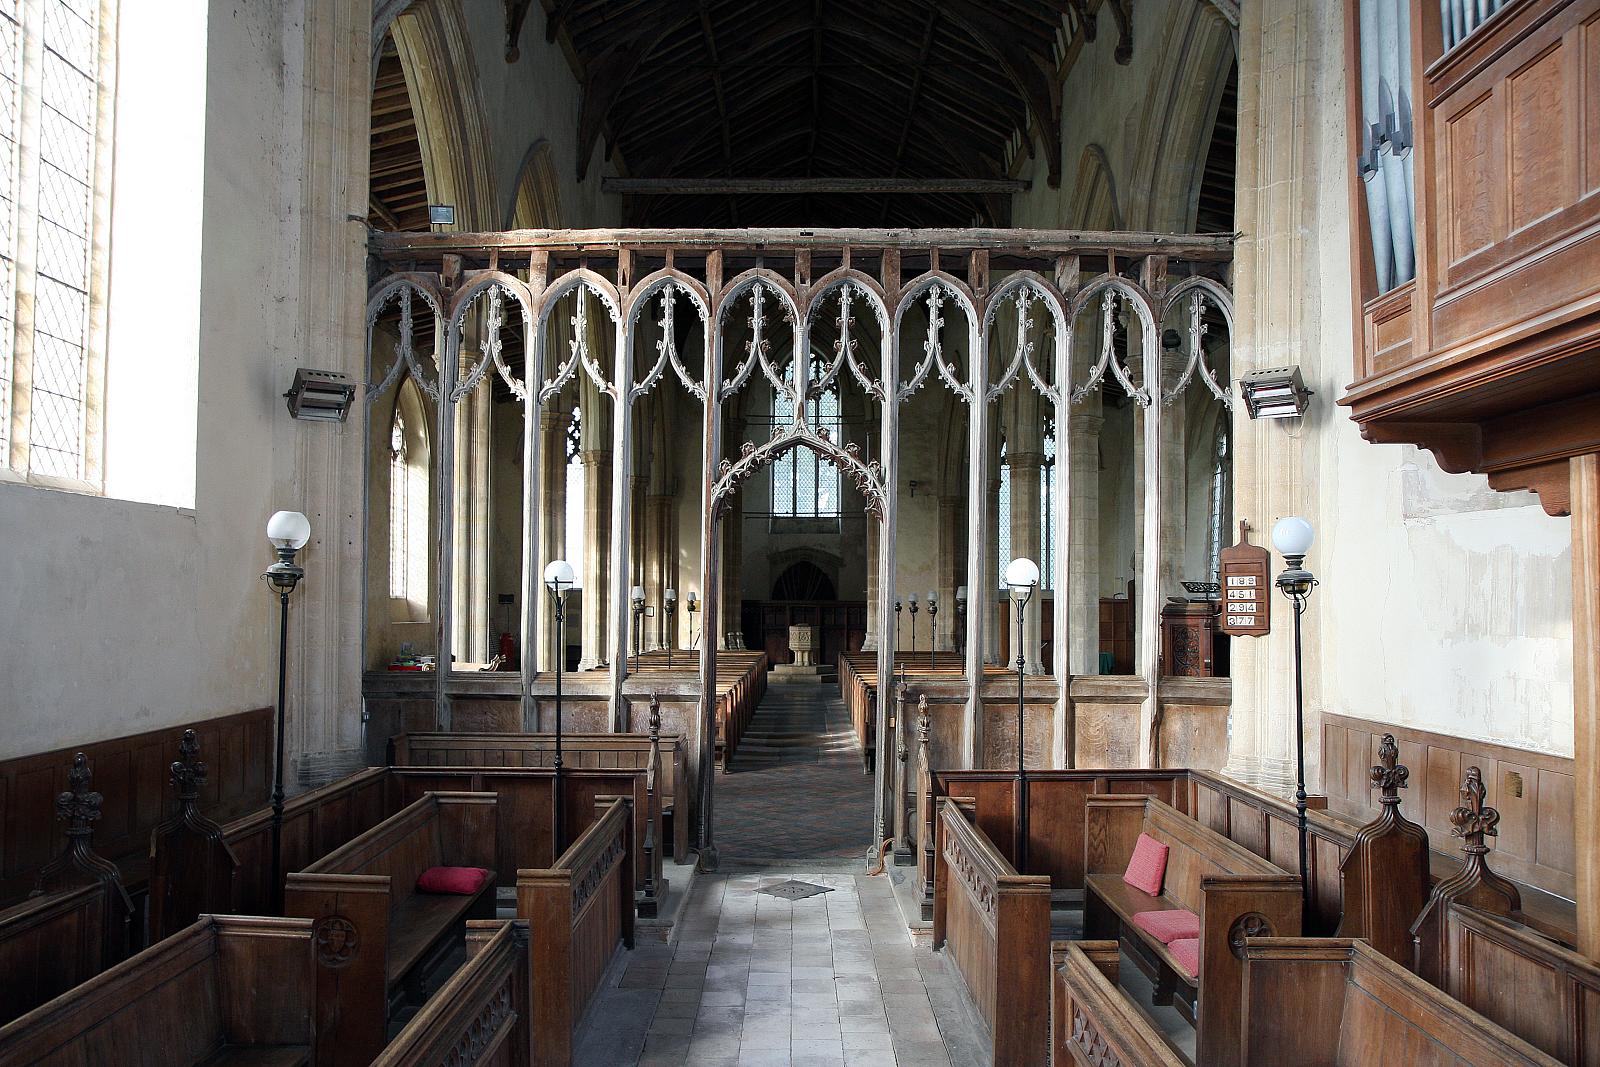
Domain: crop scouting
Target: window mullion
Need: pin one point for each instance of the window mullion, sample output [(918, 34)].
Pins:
[(26, 232)]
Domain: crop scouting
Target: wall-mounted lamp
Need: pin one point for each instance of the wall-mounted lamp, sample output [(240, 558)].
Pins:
[(321, 395), (441, 214), (1275, 393)]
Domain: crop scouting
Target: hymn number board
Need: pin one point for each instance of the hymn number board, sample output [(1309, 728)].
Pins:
[(1246, 588)]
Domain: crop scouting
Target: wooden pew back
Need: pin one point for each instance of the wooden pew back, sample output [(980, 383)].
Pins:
[(994, 925), (225, 982), (369, 935), (481, 1015), (49, 944), (1539, 990), (579, 913), (1236, 894), (1338, 1002), (1093, 1021)]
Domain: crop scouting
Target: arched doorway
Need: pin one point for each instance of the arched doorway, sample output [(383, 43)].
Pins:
[(804, 581)]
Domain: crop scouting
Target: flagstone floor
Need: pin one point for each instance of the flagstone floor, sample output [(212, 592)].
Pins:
[(757, 979)]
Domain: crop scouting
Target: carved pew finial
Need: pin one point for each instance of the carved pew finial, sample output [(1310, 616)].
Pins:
[(923, 723), (655, 719), (79, 805), (188, 770), (1474, 884), (1389, 775), (1474, 820)]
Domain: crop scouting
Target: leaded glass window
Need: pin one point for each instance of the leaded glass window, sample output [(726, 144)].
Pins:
[(51, 110), (804, 485)]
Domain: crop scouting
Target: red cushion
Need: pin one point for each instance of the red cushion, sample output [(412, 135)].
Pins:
[(1168, 926), (1186, 951), (1148, 865), (463, 881)]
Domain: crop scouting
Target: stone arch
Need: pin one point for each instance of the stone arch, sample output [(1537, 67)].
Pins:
[(536, 201), (1169, 164), (1098, 207), (435, 51)]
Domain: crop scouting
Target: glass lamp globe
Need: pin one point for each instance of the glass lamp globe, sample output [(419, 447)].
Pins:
[(289, 529), (1022, 574), (559, 573), (1292, 536)]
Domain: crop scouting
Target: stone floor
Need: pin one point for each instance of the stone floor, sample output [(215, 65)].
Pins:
[(751, 977), (755, 978)]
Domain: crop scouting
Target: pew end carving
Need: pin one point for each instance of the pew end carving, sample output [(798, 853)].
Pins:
[(192, 866), (1384, 878)]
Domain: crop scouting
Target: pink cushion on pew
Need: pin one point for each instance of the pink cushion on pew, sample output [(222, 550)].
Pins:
[(1147, 866), (1168, 926), (463, 881), (1186, 951)]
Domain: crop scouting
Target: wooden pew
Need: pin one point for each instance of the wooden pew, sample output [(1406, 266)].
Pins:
[(1537, 989), (579, 914), (1338, 1002), (377, 937), (1235, 893), (482, 1015), (526, 801), (633, 752), (994, 925), (1093, 1021), (48, 944), (228, 991), (741, 682), (191, 866), (858, 688), (1056, 801)]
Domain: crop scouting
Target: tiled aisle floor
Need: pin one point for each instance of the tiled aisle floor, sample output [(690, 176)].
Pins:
[(756, 979)]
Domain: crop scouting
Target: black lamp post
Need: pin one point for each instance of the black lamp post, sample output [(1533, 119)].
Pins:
[(288, 531), (693, 605), (671, 599), (1022, 578), (559, 577), (638, 624), (897, 626), (913, 599), (1292, 538), (961, 620), (933, 628)]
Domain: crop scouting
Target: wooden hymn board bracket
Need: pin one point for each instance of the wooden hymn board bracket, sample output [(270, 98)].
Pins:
[(1246, 588)]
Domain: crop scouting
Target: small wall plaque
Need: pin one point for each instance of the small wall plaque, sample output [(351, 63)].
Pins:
[(1246, 588)]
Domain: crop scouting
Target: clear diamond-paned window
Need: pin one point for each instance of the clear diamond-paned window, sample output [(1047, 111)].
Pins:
[(54, 107), (804, 485)]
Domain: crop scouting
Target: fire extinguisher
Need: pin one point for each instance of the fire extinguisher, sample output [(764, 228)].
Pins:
[(508, 648)]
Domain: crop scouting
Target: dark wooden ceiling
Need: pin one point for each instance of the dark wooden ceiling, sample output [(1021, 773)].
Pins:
[(398, 191), (822, 89)]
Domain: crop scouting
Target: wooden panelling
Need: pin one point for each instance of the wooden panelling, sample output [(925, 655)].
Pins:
[(481, 1016), (1532, 790), (131, 774), (1472, 181), (1540, 142)]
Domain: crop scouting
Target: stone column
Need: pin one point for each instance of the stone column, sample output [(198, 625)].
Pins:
[(871, 642), (985, 598), (1175, 479), (597, 554), (1283, 49), (552, 517), (1027, 542), (658, 570), (952, 570), (469, 618), (326, 59), (1083, 560)]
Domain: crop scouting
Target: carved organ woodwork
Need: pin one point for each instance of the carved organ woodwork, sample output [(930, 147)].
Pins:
[(1476, 234)]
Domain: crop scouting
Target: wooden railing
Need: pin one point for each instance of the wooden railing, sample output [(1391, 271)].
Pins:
[(579, 913), (995, 927), (1094, 1023), (479, 1016)]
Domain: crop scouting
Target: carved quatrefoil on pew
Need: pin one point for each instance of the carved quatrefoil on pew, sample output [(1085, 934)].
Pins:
[(336, 940), (1250, 924), (794, 890)]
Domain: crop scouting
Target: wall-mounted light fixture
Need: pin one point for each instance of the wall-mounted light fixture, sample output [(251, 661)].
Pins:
[(1275, 393), (321, 395)]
